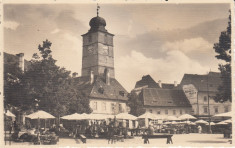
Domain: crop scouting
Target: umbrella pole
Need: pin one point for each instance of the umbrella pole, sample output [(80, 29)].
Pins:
[(45, 124)]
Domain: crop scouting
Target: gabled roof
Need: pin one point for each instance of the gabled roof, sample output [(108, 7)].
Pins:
[(164, 97), (100, 90), (208, 82), (147, 81)]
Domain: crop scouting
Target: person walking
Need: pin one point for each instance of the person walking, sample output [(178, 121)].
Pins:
[(111, 133), (145, 137), (199, 129)]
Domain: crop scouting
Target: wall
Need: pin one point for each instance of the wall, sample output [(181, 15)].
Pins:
[(193, 95), (100, 107)]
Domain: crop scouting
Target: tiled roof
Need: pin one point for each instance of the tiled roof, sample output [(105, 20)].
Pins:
[(164, 97), (212, 80), (99, 89)]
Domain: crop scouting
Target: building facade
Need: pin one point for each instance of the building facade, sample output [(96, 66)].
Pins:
[(162, 99), (106, 94), (200, 91)]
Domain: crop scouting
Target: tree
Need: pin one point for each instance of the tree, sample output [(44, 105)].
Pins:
[(223, 50), (51, 85), (136, 104)]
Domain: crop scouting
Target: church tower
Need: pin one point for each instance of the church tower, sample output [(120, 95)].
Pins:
[(97, 52)]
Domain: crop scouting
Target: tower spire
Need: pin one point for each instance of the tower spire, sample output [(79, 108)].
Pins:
[(98, 7)]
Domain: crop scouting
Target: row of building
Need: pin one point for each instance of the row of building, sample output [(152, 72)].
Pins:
[(193, 95)]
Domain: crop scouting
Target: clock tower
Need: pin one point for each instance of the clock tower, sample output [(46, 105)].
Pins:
[(97, 49)]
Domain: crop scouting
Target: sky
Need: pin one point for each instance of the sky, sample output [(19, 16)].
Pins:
[(162, 40)]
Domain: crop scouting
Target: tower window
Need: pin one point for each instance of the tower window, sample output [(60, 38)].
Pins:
[(205, 99), (89, 38), (151, 111), (174, 112), (105, 38)]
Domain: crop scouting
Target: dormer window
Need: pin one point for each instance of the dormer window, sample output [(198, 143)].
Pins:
[(101, 90), (121, 93)]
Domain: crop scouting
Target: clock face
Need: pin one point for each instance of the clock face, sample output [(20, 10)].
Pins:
[(90, 49), (105, 50)]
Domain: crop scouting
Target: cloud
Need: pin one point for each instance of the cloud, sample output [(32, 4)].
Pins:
[(189, 45), (55, 31), (66, 21), (11, 25), (71, 44), (168, 69)]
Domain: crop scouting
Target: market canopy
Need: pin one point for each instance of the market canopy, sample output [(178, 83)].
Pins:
[(186, 117), (9, 114), (147, 115), (41, 115), (126, 116), (227, 114), (201, 122)]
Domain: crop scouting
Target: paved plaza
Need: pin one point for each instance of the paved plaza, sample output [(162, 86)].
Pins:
[(178, 140)]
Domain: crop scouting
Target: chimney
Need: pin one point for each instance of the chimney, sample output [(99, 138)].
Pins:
[(21, 61), (91, 77), (175, 83), (107, 76), (160, 83)]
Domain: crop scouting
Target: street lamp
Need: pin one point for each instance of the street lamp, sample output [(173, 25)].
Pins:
[(208, 98)]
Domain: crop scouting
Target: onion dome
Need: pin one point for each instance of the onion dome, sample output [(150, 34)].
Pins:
[(97, 24), (97, 21)]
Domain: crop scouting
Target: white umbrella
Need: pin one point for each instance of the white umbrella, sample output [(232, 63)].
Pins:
[(186, 117), (171, 118), (167, 122), (9, 114), (147, 115), (227, 114), (228, 121), (76, 116), (221, 123), (201, 122), (126, 116), (186, 122), (192, 123), (212, 123), (93, 116), (159, 117), (174, 122), (41, 115)]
